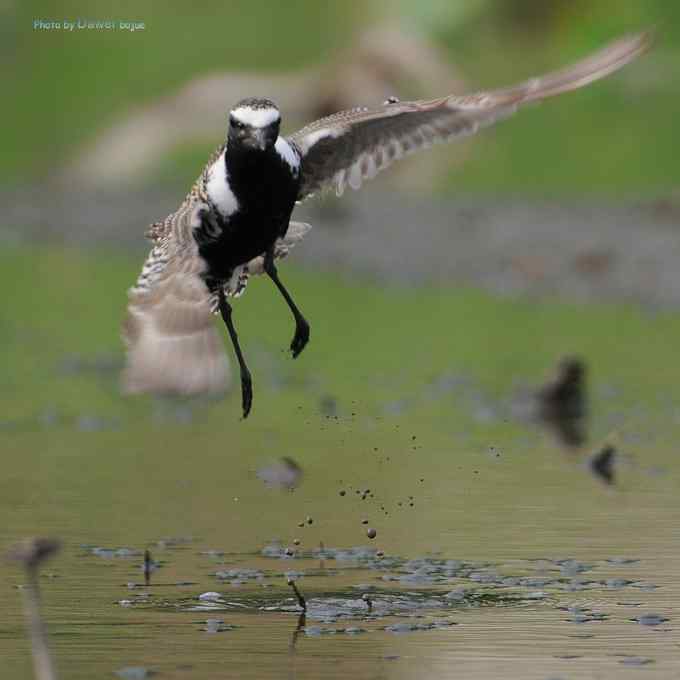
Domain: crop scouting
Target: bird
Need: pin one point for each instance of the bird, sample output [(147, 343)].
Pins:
[(236, 222), (561, 402)]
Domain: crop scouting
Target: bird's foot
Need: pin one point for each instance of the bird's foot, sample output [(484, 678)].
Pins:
[(246, 394), (300, 339)]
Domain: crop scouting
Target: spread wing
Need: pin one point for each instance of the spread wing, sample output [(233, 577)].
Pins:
[(172, 343), (351, 146)]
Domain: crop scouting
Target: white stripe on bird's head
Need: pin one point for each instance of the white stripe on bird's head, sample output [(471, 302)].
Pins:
[(259, 117)]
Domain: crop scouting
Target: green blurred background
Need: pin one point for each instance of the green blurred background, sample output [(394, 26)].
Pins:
[(418, 364), (64, 89), (611, 142)]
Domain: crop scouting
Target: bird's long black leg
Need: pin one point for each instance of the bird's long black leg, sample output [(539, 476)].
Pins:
[(301, 337), (246, 381)]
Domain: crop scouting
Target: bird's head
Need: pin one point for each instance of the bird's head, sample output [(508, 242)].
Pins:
[(254, 124)]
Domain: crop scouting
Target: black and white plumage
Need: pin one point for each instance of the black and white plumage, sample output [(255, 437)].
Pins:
[(236, 220)]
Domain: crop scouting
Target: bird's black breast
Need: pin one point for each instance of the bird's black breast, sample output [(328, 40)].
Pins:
[(265, 187)]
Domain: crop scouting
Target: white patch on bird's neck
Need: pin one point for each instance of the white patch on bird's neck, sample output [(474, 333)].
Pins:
[(258, 118), (287, 153), (218, 189)]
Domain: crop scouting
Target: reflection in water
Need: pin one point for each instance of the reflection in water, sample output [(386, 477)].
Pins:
[(147, 567), (300, 626), (301, 623), (403, 598)]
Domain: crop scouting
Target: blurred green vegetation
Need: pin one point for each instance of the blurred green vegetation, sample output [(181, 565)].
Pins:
[(67, 86), (371, 344), (605, 139), (77, 448)]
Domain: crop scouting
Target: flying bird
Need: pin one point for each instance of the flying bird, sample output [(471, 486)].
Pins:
[(236, 220)]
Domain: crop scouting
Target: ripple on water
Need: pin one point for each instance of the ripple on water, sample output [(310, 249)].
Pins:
[(650, 619), (636, 661), (407, 595)]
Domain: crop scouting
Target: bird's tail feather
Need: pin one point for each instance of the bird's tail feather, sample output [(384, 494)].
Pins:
[(173, 346), (191, 363)]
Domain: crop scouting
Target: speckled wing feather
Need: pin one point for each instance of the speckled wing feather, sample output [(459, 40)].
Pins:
[(172, 343), (351, 146)]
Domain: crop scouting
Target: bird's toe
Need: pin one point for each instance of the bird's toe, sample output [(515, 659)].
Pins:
[(246, 395), (300, 339)]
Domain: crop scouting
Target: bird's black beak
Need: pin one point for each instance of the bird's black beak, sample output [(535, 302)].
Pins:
[(260, 139), (257, 139)]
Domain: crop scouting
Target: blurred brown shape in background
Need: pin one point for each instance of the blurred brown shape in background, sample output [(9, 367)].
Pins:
[(562, 402), (382, 62)]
